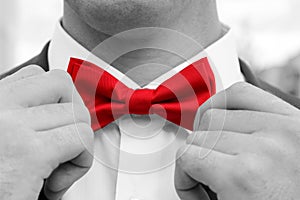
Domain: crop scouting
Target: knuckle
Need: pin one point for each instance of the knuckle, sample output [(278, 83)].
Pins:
[(81, 113), (62, 76), (34, 69), (251, 171), (239, 87), (86, 136), (206, 119), (85, 133), (207, 115)]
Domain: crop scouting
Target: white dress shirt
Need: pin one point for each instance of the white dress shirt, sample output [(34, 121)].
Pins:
[(135, 159)]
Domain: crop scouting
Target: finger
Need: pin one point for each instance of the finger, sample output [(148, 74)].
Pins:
[(52, 87), (67, 143), (28, 71), (187, 188), (205, 166), (66, 174), (243, 96), (69, 149), (227, 142), (51, 116), (64, 177), (242, 121)]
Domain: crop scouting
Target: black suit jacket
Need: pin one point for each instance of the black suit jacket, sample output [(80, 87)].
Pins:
[(42, 61)]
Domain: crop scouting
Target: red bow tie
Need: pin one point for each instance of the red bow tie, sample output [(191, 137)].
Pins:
[(177, 99)]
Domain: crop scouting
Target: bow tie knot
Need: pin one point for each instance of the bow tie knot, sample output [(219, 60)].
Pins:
[(140, 101)]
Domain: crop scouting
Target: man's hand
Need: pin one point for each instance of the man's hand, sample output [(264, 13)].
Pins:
[(44, 134), (247, 147)]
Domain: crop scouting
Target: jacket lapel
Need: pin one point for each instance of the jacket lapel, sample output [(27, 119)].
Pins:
[(40, 60), (252, 79)]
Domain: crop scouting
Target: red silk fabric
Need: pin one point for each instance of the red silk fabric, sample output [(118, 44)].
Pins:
[(176, 99)]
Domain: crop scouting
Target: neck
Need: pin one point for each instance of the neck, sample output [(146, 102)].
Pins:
[(199, 23)]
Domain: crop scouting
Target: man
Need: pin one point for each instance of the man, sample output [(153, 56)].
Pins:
[(133, 155)]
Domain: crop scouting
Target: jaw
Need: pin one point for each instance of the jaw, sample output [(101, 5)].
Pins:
[(114, 16)]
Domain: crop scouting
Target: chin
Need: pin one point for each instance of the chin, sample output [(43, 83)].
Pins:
[(114, 16)]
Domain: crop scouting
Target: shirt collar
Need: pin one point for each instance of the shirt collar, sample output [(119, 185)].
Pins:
[(222, 56)]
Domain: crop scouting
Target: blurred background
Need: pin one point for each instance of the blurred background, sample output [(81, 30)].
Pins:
[(267, 34)]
